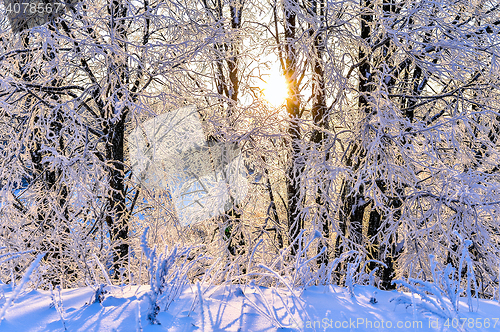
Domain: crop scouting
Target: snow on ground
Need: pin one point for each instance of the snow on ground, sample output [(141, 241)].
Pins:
[(238, 308)]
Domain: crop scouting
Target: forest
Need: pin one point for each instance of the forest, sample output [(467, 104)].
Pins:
[(287, 143)]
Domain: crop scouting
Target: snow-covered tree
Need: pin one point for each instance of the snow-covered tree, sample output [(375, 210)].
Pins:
[(386, 151), (70, 91)]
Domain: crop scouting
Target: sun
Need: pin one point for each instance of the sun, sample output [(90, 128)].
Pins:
[(275, 89)]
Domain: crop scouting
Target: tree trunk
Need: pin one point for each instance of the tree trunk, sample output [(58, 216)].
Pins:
[(116, 217), (296, 163), (321, 120)]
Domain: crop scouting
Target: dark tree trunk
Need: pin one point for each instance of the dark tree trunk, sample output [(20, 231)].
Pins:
[(320, 118), (296, 163), (116, 217)]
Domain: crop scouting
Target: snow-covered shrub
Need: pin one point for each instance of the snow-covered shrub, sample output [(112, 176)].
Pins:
[(56, 299), (99, 294), (300, 270), (11, 258), (20, 286), (350, 279), (168, 274), (442, 295), (356, 275), (303, 275), (471, 277)]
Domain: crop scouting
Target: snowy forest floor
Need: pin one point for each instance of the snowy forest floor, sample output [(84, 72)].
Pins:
[(239, 308)]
